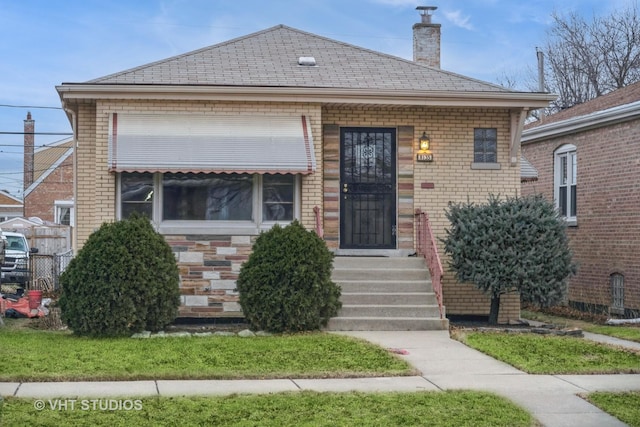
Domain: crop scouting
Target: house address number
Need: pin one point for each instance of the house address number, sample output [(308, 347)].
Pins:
[(424, 157)]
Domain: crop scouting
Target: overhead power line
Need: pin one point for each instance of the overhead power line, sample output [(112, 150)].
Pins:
[(36, 133), (30, 106)]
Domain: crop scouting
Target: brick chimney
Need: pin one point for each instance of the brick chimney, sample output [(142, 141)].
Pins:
[(426, 39), (29, 129)]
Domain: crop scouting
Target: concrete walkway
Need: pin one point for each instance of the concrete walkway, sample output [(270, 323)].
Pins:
[(445, 364)]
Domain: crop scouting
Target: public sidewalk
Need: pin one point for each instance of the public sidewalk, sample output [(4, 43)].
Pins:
[(445, 364)]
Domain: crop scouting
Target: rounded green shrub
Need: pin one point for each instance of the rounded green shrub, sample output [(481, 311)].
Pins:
[(285, 285), (124, 280)]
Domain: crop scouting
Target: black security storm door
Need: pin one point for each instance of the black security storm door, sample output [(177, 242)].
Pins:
[(368, 188)]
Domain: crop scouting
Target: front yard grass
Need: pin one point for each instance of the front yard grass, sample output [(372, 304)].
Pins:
[(625, 332), (624, 406), (438, 409), (551, 354), (32, 355)]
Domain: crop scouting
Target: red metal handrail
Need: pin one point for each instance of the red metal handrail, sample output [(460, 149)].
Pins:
[(426, 246), (319, 230)]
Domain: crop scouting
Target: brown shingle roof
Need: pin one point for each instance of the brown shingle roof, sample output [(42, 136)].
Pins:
[(625, 95), (269, 58)]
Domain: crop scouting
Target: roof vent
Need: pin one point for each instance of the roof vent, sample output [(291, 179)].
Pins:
[(307, 61)]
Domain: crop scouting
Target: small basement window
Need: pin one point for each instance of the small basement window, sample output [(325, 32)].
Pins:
[(617, 293)]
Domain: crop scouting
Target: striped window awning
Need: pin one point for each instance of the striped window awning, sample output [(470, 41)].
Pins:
[(207, 143)]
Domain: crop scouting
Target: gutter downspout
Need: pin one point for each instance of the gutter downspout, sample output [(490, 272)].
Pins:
[(73, 119)]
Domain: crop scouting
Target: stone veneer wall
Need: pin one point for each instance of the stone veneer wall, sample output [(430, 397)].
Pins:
[(209, 266)]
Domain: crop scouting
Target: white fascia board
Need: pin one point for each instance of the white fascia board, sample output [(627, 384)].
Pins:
[(530, 100), (581, 123)]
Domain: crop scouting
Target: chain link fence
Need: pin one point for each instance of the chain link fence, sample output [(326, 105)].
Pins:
[(46, 270)]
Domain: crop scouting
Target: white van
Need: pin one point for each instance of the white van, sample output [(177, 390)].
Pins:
[(15, 266)]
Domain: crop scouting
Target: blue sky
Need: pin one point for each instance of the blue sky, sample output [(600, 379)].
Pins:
[(46, 42)]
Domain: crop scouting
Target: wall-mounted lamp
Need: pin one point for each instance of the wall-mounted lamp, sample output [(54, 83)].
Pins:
[(425, 142), (424, 155)]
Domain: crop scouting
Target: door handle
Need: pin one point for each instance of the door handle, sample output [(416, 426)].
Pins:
[(345, 188)]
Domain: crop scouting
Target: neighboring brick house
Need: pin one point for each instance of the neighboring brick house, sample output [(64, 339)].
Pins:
[(218, 144), (588, 162), (10, 206), (48, 178)]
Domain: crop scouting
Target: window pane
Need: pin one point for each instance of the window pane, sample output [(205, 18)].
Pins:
[(212, 197), (136, 194), (277, 197), (574, 168), (64, 216), (485, 143), (563, 170), (562, 201), (617, 293), (573, 200)]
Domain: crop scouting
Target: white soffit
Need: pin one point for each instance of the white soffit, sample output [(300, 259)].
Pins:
[(210, 143)]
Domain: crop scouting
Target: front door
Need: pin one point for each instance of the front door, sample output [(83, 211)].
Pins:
[(368, 188)]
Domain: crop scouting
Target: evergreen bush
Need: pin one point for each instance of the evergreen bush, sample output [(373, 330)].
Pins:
[(124, 280), (285, 285), (517, 244)]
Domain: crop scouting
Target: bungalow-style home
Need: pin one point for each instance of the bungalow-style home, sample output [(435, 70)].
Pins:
[(10, 206), (219, 144), (48, 178), (588, 162)]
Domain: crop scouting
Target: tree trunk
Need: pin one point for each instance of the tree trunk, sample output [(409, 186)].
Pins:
[(495, 308)]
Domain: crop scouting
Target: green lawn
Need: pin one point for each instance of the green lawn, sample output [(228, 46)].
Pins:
[(551, 354), (435, 409), (624, 406), (625, 332), (32, 355)]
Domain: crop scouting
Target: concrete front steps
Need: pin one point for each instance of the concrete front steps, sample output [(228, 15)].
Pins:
[(385, 294)]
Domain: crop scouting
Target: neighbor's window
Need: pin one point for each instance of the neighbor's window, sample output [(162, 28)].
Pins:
[(617, 293), (64, 212), (485, 145), (565, 182)]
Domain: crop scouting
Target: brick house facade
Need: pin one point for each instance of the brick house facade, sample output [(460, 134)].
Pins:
[(345, 92), (48, 178), (604, 232)]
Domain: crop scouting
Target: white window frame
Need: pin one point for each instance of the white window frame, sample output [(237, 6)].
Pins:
[(252, 227), (59, 205), (568, 153)]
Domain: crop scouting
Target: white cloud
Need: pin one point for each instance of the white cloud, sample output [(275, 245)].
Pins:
[(456, 18)]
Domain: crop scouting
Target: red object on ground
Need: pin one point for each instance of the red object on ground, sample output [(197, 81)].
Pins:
[(35, 298), (21, 305)]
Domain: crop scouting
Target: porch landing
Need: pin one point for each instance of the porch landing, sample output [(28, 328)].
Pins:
[(385, 294)]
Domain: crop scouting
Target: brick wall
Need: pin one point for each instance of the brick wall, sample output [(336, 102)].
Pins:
[(209, 264), (58, 185), (606, 239), (448, 178)]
